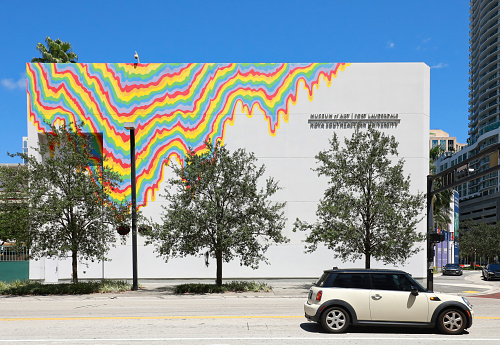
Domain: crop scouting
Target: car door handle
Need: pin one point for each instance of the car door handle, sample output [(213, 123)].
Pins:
[(376, 297)]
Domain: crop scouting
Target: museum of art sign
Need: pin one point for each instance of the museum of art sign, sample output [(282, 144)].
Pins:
[(353, 120)]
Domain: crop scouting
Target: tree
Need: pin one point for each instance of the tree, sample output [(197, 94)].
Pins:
[(367, 208), (70, 209), (56, 51), (479, 238), (14, 224), (216, 209)]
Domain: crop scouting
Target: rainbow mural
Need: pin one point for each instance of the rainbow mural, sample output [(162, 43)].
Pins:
[(175, 106)]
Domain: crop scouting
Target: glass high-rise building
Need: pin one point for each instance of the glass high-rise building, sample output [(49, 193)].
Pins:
[(484, 69), (479, 199)]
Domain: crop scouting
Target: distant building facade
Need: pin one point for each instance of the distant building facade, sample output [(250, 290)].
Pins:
[(480, 198), (438, 137)]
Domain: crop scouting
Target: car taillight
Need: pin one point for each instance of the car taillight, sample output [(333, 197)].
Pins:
[(318, 296)]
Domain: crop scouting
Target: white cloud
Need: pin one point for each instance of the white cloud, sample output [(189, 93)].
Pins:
[(12, 84), (440, 65), (390, 44), (423, 46)]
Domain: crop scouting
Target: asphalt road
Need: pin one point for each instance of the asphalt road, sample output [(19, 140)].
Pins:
[(155, 316)]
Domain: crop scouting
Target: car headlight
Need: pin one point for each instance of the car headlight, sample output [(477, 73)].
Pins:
[(466, 301)]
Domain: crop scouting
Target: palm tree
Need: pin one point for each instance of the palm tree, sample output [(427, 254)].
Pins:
[(56, 51), (441, 208)]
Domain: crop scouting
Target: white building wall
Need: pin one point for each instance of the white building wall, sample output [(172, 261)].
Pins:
[(382, 88)]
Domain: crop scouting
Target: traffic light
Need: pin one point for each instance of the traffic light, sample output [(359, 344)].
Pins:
[(436, 238), (448, 179)]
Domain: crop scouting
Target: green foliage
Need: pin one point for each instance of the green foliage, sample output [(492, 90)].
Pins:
[(234, 286), (70, 209), (479, 238), (441, 207), (367, 208), (37, 288), (56, 51), (434, 154), (217, 210), (14, 224)]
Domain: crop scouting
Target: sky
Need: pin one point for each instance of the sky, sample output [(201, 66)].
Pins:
[(432, 31)]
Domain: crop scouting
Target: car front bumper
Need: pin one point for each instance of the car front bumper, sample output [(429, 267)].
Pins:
[(452, 273)]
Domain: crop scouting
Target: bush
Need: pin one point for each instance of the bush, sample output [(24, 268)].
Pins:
[(234, 286), (36, 288)]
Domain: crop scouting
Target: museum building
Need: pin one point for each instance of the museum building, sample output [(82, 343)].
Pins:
[(285, 113)]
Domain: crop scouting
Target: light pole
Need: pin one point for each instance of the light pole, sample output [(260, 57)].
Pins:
[(131, 127)]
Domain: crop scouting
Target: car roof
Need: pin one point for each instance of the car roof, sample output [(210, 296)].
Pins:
[(362, 270)]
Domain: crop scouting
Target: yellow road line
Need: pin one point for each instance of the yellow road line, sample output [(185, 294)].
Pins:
[(177, 318)]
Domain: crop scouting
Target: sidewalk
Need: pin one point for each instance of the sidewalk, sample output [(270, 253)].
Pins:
[(298, 288), (280, 287)]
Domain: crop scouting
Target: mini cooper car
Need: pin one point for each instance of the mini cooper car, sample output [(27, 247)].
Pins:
[(344, 297), (452, 269)]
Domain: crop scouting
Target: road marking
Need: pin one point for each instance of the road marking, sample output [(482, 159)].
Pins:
[(471, 291), (463, 285), (150, 317), (337, 337), (177, 317)]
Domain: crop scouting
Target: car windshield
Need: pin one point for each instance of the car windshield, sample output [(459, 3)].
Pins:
[(494, 267), (451, 266)]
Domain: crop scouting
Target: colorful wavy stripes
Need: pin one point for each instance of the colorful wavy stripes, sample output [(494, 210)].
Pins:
[(175, 106)]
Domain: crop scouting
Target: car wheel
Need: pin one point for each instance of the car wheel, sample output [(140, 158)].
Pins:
[(451, 321), (335, 320)]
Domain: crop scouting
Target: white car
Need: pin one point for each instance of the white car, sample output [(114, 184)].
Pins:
[(344, 297)]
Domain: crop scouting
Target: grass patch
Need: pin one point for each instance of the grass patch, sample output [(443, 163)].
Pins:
[(234, 286), (27, 287)]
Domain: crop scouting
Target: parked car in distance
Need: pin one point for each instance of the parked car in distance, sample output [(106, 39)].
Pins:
[(344, 297), (452, 269), (491, 271)]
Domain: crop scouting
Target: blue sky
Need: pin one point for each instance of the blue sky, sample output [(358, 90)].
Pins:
[(432, 31)]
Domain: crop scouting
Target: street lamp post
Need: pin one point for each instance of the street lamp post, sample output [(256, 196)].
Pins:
[(131, 127)]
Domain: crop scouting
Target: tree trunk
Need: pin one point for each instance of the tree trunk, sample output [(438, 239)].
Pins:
[(218, 257), (75, 266), (368, 248)]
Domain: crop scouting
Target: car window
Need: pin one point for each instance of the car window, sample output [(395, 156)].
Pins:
[(347, 280), (493, 267), (391, 281), (321, 279)]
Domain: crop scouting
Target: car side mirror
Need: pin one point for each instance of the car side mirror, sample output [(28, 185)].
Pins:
[(414, 291)]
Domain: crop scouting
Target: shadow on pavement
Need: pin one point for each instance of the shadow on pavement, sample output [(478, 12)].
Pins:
[(167, 289), (313, 327)]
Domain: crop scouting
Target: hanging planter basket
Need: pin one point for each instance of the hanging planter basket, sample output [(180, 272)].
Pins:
[(123, 229)]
